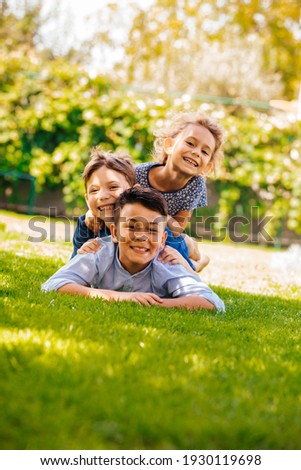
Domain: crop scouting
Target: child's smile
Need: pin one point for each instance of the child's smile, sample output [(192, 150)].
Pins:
[(106, 210), (191, 162), (139, 249)]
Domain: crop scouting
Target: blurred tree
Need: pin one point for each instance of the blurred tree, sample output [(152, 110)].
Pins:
[(278, 26), (26, 26), (19, 32), (233, 48)]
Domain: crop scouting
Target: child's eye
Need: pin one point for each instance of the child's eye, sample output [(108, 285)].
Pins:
[(113, 188), (206, 153), (188, 142)]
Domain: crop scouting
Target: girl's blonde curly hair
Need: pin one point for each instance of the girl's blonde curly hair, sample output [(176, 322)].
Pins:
[(177, 123)]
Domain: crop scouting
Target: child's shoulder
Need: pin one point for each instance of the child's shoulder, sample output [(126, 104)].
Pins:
[(197, 181), (142, 172), (144, 167), (107, 245), (104, 257), (144, 164)]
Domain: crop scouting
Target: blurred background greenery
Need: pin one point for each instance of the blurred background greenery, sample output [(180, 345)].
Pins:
[(237, 60)]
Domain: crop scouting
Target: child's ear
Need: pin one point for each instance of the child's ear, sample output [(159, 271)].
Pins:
[(164, 236), (113, 231), (167, 145)]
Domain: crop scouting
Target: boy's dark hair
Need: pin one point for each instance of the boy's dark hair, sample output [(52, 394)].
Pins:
[(120, 162), (149, 198)]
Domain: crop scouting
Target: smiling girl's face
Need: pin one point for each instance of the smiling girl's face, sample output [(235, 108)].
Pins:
[(103, 188), (190, 152)]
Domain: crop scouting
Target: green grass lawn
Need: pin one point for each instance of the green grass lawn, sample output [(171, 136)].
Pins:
[(81, 373)]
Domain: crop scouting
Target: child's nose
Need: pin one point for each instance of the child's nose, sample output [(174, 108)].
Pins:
[(103, 194), (196, 151), (140, 235)]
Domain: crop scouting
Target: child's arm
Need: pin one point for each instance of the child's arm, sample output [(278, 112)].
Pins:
[(192, 302), (178, 222), (187, 291), (142, 298), (93, 223)]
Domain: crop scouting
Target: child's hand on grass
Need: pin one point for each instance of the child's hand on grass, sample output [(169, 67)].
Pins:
[(91, 246), (142, 298)]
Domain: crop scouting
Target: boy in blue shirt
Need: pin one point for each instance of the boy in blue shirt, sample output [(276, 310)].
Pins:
[(126, 267)]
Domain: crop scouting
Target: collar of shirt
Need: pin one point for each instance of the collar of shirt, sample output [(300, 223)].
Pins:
[(121, 270)]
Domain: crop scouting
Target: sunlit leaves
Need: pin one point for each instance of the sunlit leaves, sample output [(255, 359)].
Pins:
[(52, 112)]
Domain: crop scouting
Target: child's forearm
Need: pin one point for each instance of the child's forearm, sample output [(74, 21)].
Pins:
[(142, 298), (176, 226), (92, 222), (178, 222), (77, 289), (191, 302)]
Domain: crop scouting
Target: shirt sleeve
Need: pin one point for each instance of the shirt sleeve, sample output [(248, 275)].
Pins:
[(198, 194), (140, 170), (186, 286), (202, 192), (81, 235), (174, 281), (82, 270)]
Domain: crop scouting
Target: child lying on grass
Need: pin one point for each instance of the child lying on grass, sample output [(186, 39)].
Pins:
[(126, 267)]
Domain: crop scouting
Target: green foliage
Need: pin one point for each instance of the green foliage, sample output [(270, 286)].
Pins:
[(262, 168), (50, 121), (52, 112), (87, 374)]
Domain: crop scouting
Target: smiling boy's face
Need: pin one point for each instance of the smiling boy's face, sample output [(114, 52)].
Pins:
[(140, 234), (103, 188)]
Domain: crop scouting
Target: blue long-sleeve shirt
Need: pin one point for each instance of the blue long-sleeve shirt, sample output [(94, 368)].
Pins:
[(103, 270)]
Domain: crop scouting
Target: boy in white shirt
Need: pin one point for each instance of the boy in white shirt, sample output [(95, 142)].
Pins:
[(126, 268)]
